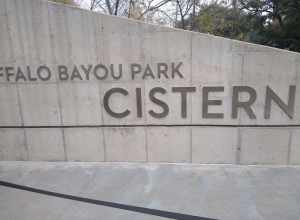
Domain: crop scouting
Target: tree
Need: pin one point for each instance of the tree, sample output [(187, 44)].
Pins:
[(270, 22), (183, 7), (223, 20), (112, 7), (136, 9), (277, 22)]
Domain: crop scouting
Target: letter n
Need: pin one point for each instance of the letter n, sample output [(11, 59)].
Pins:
[(288, 108)]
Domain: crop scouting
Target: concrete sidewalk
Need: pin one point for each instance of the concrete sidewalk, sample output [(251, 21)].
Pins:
[(214, 191)]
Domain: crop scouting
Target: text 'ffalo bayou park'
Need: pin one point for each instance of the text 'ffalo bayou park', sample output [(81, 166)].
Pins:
[(162, 71)]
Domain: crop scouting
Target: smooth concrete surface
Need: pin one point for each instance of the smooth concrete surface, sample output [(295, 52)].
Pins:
[(273, 146), (223, 192), (57, 119)]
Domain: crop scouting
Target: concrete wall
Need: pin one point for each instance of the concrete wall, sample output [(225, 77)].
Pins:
[(59, 120)]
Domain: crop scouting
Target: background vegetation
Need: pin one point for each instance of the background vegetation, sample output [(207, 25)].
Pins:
[(274, 23)]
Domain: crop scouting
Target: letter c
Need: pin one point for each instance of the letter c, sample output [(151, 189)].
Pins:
[(107, 108)]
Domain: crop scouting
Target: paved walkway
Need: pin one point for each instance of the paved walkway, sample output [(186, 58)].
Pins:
[(212, 191)]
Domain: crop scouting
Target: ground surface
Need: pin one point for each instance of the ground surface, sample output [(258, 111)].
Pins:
[(219, 192)]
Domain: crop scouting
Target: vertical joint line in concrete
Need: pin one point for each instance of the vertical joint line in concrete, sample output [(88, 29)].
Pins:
[(296, 69), (146, 120), (61, 121), (146, 144), (17, 86), (288, 160), (101, 58), (146, 129), (57, 86), (239, 146), (26, 144), (64, 144), (240, 131), (102, 120), (242, 70), (22, 122), (191, 144), (191, 81), (104, 145), (191, 58), (11, 57), (59, 102)]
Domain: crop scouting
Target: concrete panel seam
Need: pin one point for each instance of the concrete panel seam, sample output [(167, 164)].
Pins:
[(100, 57), (191, 145), (288, 161), (146, 145), (239, 146)]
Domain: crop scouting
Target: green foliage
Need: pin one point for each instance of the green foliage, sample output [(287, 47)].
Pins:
[(223, 21), (278, 22), (270, 22)]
